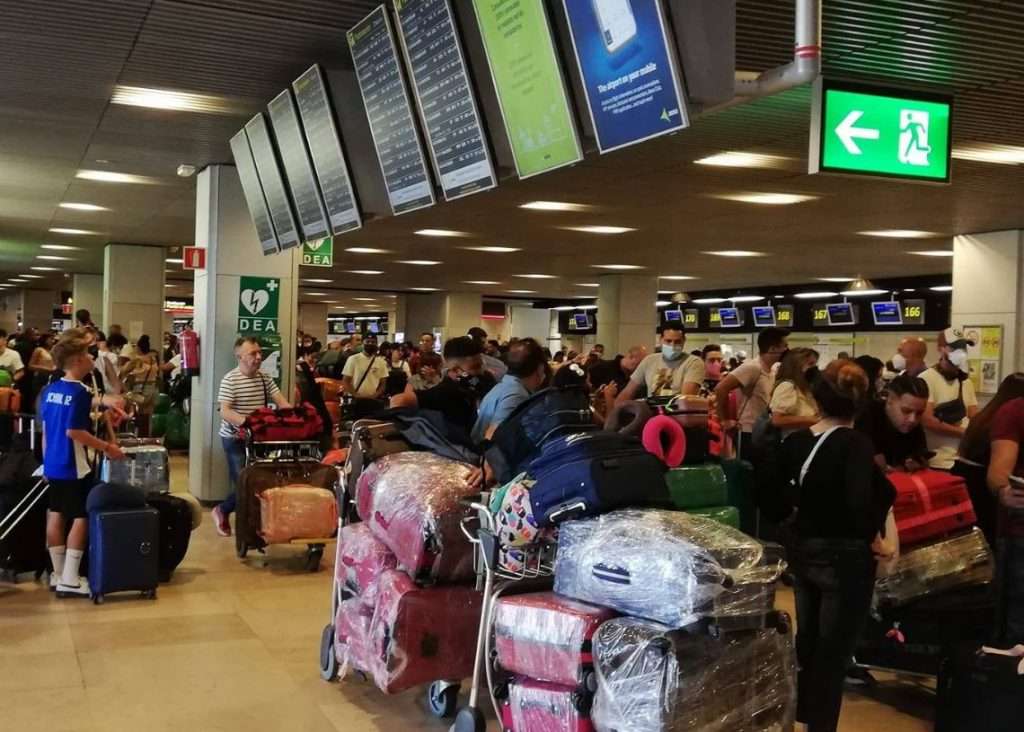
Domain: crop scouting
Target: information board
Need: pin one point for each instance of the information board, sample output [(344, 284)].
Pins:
[(913, 312), (691, 318), (449, 111), (629, 71), (784, 316), (253, 192), (389, 111), (309, 208), (764, 316), (888, 312), (729, 317), (528, 81), (841, 313), (273, 183)]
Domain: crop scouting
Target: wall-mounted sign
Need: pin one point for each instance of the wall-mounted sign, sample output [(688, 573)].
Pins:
[(389, 111), (691, 318), (870, 130), (318, 253), (193, 258), (441, 85), (985, 357), (784, 316), (819, 315), (629, 73), (841, 313), (889, 312), (273, 183), (764, 316), (529, 84), (253, 192), (258, 305), (913, 312)]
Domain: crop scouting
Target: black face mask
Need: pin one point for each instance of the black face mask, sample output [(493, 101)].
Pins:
[(370, 349)]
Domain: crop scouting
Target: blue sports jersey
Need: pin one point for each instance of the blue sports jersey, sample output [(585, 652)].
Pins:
[(65, 405)]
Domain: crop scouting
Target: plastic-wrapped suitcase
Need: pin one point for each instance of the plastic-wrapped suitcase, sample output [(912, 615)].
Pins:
[(363, 559), (352, 646), (930, 504), (297, 511), (934, 568), (124, 552), (546, 637), (668, 566), (654, 679), (412, 502), (146, 467), (539, 706), (728, 515), (175, 531), (421, 634), (371, 439), (697, 486)]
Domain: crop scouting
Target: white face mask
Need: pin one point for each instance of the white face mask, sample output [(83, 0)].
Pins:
[(899, 362), (958, 358), (671, 353)]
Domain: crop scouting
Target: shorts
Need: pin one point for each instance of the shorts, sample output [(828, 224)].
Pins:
[(67, 497)]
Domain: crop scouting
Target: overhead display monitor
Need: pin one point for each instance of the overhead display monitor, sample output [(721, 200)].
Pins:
[(628, 67), (389, 110), (528, 80), (729, 317), (253, 192), (440, 82), (298, 170), (581, 321), (321, 132), (273, 183), (764, 316), (879, 131), (674, 316), (841, 313), (887, 313)]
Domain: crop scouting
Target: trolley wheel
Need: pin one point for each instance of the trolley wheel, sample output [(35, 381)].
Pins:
[(313, 558), (442, 697), (241, 549), (328, 661), (590, 682), (97, 599), (469, 719), (784, 624)]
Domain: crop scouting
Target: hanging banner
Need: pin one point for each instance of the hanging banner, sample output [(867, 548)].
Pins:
[(629, 72), (319, 253)]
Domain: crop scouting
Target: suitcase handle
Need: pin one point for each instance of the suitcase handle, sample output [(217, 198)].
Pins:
[(561, 513)]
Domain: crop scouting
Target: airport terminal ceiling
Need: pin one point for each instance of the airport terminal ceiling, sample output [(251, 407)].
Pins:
[(64, 59)]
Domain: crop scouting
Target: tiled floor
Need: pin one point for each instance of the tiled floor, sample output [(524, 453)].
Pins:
[(230, 646)]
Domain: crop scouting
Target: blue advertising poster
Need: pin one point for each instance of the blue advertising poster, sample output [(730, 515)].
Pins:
[(628, 69)]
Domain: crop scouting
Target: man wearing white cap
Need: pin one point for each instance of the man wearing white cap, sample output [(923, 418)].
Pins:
[(952, 403)]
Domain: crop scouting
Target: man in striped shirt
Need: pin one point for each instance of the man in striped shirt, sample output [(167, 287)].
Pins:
[(243, 390)]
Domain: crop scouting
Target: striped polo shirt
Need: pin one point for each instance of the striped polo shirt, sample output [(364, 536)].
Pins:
[(244, 394)]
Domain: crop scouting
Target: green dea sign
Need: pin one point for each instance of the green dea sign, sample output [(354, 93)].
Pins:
[(258, 299), (318, 253), (864, 130)]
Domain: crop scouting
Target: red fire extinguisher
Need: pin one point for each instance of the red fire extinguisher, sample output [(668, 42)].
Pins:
[(188, 341)]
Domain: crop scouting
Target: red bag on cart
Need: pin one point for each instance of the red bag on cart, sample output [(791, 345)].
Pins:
[(547, 637), (930, 504), (537, 706), (422, 634), (411, 502), (363, 559), (298, 424)]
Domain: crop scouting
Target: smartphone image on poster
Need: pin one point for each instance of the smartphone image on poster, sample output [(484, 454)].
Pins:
[(617, 23)]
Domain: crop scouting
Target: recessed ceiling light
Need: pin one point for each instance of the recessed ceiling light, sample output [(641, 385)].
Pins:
[(366, 250), (45, 269), (744, 160), (599, 229), (19, 281), (555, 206), (60, 247), (366, 271), (55, 258), (315, 294), (176, 101), (617, 266), (365, 299), (83, 207), (934, 253), (765, 199), (709, 300), (941, 288), (843, 280), (494, 250), (676, 277), (989, 153), (588, 284), (480, 282), (662, 303), (811, 295), (106, 176), (74, 232), (439, 232), (34, 277), (537, 276), (563, 308), (169, 284), (862, 293), (424, 289), (522, 292), (747, 298), (901, 234), (419, 262), (736, 253), (314, 281)]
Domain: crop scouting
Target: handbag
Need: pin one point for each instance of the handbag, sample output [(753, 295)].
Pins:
[(954, 411)]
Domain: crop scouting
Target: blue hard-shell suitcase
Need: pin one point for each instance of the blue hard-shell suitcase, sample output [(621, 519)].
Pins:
[(124, 552)]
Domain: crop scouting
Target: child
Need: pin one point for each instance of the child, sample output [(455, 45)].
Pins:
[(65, 407)]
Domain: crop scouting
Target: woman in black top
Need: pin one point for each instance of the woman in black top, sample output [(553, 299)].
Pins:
[(840, 499)]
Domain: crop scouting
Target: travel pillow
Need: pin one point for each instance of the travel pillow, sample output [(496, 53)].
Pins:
[(664, 438), (629, 418), (114, 496)]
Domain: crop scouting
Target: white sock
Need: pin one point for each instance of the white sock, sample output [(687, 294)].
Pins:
[(69, 576), (57, 559)]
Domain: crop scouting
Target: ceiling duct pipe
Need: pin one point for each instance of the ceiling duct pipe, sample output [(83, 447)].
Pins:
[(806, 64)]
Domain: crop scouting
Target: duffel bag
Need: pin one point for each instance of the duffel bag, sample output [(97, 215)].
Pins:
[(283, 425), (930, 504)]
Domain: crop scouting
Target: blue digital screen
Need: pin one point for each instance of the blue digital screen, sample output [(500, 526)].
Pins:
[(764, 316), (887, 313), (673, 316), (582, 321), (627, 66), (841, 313), (729, 317)]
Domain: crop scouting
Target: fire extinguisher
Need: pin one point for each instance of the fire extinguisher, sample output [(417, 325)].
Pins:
[(188, 341)]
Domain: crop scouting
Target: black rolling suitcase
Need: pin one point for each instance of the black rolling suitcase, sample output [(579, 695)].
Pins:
[(23, 529), (123, 552), (175, 531)]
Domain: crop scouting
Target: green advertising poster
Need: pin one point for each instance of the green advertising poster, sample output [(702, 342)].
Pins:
[(529, 84), (318, 253), (874, 131), (258, 308)]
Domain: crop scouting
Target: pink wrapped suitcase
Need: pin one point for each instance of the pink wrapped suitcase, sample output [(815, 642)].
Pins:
[(352, 636), (297, 511), (362, 560), (537, 706)]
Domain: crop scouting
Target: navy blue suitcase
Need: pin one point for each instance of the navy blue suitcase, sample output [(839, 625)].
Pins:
[(124, 552)]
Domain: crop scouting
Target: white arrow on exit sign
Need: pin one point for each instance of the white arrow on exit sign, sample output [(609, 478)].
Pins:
[(848, 133)]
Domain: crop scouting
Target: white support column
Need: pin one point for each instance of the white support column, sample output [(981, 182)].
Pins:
[(224, 228), (133, 290), (87, 292), (313, 320), (627, 312)]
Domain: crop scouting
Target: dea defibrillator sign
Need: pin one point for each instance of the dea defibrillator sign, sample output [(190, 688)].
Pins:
[(258, 299), (318, 253)]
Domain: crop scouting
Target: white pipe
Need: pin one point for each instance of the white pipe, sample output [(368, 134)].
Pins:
[(806, 64)]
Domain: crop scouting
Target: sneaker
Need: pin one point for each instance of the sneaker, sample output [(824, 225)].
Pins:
[(54, 581), (220, 522), (79, 590)]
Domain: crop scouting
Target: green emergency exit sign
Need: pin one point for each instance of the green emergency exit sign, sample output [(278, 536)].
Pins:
[(864, 130)]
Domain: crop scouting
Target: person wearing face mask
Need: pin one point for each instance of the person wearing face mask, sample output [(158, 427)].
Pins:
[(792, 404), (527, 372), (952, 403), (754, 380), (714, 362), (671, 372), (909, 357), (365, 371)]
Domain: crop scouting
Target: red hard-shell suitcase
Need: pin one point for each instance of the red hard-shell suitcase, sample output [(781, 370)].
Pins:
[(537, 706), (420, 635), (547, 637), (930, 504), (363, 559)]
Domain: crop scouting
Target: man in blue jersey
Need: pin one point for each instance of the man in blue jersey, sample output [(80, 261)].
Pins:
[(65, 407)]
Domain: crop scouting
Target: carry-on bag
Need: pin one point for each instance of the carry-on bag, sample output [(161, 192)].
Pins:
[(124, 552), (23, 526), (668, 566), (589, 473), (697, 486), (741, 488), (146, 467), (547, 637), (362, 559), (728, 515), (297, 511), (654, 679), (981, 690), (539, 706), (412, 502), (930, 504), (294, 424), (175, 531)]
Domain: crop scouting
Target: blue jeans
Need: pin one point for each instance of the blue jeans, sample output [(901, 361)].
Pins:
[(234, 451)]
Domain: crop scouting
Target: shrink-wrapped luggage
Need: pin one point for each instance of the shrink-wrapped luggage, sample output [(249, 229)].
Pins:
[(264, 475), (146, 467), (297, 511), (363, 558), (539, 706), (352, 645), (934, 568)]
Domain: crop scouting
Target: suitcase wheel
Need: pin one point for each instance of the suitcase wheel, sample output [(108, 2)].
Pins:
[(149, 594), (97, 599), (470, 719), (328, 661), (442, 697), (313, 558)]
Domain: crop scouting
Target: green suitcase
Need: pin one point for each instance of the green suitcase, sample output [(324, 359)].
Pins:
[(161, 404), (158, 425), (728, 515), (739, 475), (697, 486), (177, 436)]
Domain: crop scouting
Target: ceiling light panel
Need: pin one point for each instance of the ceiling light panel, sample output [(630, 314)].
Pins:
[(106, 176), (901, 234), (44, 269), (523, 292), (842, 280), (676, 277), (419, 262), (318, 281), (988, 153), (736, 253), (934, 253), (74, 232), (862, 293), (367, 250), (619, 267), (766, 199), (536, 276), (424, 289), (480, 282), (744, 160), (709, 300), (812, 295), (494, 250), (440, 232), (588, 284), (747, 298), (941, 288), (83, 207), (610, 230), (54, 258), (555, 206), (60, 247), (171, 100), (365, 271)]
